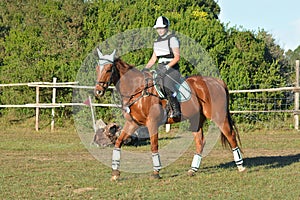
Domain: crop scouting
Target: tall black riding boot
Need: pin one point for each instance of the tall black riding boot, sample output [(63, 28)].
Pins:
[(174, 104)]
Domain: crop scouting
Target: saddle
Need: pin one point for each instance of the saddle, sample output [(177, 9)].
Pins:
[(182, 88)]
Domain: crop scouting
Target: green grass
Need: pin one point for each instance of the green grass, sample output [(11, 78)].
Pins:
[(45, 165)]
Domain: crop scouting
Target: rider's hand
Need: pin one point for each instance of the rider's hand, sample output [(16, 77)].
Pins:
[(145, 70)]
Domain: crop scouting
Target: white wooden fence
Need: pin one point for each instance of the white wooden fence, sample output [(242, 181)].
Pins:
[(54, 85)]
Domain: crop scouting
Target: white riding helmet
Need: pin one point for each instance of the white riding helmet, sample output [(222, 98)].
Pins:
[(162, 22)]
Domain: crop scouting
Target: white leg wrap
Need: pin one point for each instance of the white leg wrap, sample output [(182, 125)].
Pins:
[(237, 155), (196, 162), (156, 161), (116, 156)]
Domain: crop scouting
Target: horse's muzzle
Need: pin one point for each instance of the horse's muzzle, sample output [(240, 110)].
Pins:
[(99, 93), (99, 90)]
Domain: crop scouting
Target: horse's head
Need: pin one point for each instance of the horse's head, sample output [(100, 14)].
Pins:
[(105, 70)]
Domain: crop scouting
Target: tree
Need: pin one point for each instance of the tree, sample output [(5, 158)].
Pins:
[(292, 56), (40, 40)]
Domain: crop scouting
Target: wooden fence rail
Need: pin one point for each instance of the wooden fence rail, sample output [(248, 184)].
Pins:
[(54, 85)]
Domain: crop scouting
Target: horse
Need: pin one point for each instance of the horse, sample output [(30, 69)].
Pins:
[(142, 105)]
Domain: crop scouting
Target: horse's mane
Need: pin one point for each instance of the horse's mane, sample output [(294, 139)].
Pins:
[(124, 64)]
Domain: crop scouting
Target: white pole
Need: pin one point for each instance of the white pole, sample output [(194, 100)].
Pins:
[(296, 116), (93, 115), (37, 111), (168, 128), (53, 102)]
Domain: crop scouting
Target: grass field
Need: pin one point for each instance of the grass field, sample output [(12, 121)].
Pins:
[(56, 165)]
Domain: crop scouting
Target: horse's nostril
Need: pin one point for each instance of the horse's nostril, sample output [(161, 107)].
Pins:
[(99, 93)]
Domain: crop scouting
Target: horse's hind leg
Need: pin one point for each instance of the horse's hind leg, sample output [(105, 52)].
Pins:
[(229, 134)]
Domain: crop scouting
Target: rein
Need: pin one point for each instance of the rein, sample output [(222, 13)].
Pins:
[(138, 94), (143, 92)]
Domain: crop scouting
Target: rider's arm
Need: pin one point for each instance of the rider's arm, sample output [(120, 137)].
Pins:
[(174, 44), (176, 58), (151, 61)]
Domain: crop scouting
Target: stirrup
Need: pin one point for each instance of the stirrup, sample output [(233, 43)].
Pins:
[(174, 114), (175, 118)]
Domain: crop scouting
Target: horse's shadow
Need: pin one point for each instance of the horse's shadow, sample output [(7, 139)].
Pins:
[(146, 141), (266, 161)]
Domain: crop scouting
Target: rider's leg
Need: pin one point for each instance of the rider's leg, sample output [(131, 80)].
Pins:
[(172, 76), (173, 103)]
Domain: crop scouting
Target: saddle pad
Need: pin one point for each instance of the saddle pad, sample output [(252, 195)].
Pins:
[(183, 89)]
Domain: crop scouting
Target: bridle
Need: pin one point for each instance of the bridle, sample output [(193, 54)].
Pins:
[(106, 84)]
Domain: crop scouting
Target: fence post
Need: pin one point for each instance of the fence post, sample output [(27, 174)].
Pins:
[(296, 116), (53, 102), (37, 111)]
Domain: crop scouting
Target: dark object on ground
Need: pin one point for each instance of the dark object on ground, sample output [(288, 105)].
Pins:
[(108, 135)]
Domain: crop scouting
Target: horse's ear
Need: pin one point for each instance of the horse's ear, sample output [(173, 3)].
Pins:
[(113, 54), (99, 53)]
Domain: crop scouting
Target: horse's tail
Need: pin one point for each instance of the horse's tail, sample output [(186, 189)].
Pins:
[(233, 128)]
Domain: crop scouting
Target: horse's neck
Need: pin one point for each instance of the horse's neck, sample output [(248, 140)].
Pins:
[(130, 80)]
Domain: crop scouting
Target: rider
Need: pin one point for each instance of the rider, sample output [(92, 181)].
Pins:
[(166, 50)]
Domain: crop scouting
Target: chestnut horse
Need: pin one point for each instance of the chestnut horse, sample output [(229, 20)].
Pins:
[(142, 106)]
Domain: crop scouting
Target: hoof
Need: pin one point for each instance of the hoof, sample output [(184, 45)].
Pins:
[(115, 175), (242, 169), (156, 175), (191, 172)]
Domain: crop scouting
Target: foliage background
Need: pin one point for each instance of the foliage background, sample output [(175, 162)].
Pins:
[(40, 40)]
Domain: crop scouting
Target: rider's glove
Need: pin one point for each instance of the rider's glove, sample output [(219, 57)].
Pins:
[(145, 70)]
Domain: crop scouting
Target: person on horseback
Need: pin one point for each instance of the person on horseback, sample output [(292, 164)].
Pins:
[(166, 51)]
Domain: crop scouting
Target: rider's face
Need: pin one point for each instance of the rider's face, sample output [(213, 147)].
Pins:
[(161, 31)]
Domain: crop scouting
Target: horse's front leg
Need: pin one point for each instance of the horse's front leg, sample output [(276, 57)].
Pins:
[(155, 156), (153, 132), (199, 142), (128, 129)]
